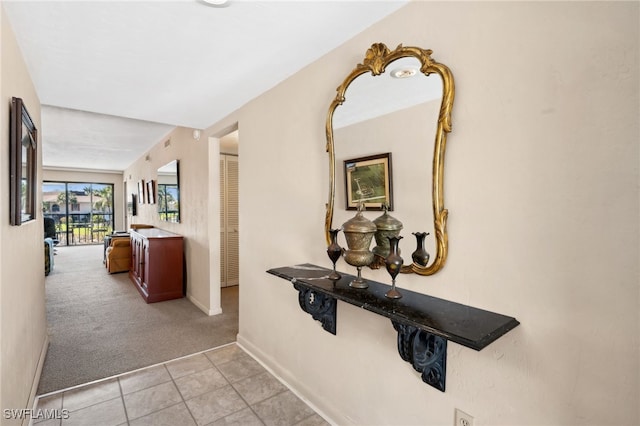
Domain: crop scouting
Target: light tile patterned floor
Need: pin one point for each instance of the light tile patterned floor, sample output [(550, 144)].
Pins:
[(223, 386)]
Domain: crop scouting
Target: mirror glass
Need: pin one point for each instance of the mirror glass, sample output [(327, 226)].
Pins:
[(397, 115), (169, 192), (24, 174), (394, 103)]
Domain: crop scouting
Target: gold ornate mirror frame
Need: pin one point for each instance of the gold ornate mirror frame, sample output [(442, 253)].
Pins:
[(377, 58)]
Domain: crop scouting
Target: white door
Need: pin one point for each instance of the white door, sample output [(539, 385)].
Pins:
[(229, 222)]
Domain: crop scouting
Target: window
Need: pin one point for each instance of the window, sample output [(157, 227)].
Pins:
[(83, 212)]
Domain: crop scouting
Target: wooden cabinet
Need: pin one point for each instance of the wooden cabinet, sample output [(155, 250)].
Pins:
[(157, 264)]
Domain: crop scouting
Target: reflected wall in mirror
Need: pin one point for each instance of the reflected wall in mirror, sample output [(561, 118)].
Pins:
[(399, 102), (151, 191), (23, 137), (168, 188), (132, 208)]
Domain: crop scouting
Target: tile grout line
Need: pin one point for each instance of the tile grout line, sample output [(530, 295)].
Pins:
[(234, 389), (246, 402), (228, 384), (124, 405), (94, 404), (284, 382), (62, 405), (152, 386), (308, 417), (267, 371), (184, 401), (250, 406), (172, 380)]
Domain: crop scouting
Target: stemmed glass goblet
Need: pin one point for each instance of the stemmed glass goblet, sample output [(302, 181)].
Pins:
[(393, 262)]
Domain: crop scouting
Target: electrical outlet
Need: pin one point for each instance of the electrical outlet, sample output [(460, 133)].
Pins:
[(462, 419)]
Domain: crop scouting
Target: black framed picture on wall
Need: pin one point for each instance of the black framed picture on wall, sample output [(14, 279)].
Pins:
[(23, 154)]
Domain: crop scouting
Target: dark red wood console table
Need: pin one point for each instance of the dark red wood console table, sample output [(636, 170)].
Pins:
[(157, 264)]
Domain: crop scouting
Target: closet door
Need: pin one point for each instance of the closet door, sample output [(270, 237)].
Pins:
[(229, 221)]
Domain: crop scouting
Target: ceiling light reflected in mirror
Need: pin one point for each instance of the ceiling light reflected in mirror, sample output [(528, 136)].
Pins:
[(215, 3), (403, 72)]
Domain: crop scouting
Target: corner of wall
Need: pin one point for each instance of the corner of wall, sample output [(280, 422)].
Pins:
[(23, 323)]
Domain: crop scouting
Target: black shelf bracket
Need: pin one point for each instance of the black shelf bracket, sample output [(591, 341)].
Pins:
[(320, 306), (424, 323), (426, 352)]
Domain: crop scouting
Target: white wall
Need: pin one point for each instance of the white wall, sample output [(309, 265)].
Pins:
[(541, 182), (194, 214), (22, 306)]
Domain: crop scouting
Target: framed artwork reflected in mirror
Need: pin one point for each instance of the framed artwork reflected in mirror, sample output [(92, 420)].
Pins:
[(368, 180)]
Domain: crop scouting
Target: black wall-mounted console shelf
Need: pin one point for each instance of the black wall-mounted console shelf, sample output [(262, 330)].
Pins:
[(424, 323)]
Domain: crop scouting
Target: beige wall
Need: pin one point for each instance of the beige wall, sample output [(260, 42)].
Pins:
[(57, 175), (194, 206), (22, 306), (542, 187)]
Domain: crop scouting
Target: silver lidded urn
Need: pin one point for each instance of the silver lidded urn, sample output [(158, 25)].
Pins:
[(386, 226), (358, 232)]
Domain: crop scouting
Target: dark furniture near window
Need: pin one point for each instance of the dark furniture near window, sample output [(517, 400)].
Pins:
[(156, 264), (50, 230)]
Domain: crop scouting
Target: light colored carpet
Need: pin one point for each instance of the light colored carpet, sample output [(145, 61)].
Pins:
[(100, 326)]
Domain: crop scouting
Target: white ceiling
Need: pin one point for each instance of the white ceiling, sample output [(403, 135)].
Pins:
[(79, 139), (116, 77)]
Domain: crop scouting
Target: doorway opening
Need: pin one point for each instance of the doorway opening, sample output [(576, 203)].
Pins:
[(229, 214)]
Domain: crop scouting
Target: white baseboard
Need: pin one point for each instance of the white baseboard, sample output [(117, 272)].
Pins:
[(290, 381), (203, 308), (36, 376)]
